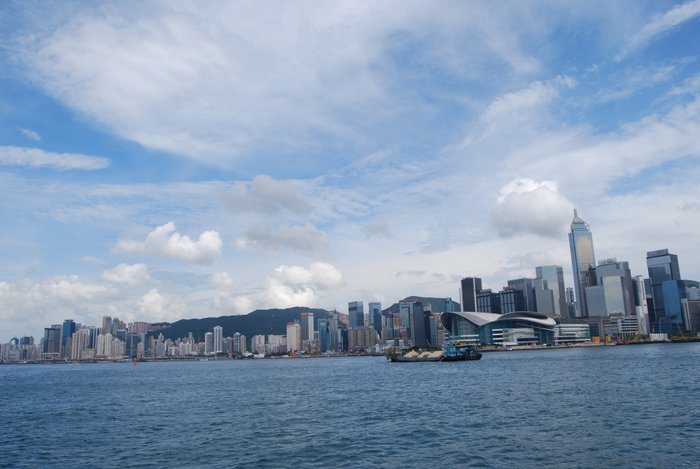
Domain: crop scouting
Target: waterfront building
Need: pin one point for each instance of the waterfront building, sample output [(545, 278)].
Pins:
[(51, 344), (240, 345), (612, 292), (471, 286), (554, 276), (641, 310), (356, 314), (570, 302), (208, 343), (258, 344), (662, 266), (582, 260), (511, 301), (418, 329), (511, 328), (67, 331), (488, 302), (361, 338), (375, 316), (544, 298), (437, 330), (572, 333), (527, 288), (218, 339), (276, 344), (675, 293), (306, 320), (293, 337)]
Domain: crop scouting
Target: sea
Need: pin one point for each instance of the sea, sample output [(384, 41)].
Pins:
[(628, 406)]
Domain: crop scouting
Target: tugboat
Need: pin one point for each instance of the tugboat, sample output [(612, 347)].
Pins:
[(452, 351)]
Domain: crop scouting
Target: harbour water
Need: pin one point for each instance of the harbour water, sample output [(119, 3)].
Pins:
[(587, 407)]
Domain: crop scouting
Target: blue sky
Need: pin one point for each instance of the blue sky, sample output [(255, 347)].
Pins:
[(160, 160)]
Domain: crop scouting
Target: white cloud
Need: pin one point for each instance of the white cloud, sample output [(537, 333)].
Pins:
[(153, 306), (231, 77), (662, 24), (127, 275), (267, 195), (319, 275), (37, 158), (31, 134), (306, 239), (516, 104), (377, 229), (165, 242), (221, 280), (525, 206)]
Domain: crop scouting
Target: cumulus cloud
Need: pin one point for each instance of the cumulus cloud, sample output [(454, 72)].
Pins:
[(306, 239), (318, 275), (221, 280), (127, 275), (28, 305), (165, 242), (267, 195), (526, 206), (153, 306), (37, 158), (31, 134)]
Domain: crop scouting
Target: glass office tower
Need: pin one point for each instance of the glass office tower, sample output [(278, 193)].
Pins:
[(582, 260)]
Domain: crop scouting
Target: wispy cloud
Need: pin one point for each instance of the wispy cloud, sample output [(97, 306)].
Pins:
[(37, 158), (660, 25), (31, 134)]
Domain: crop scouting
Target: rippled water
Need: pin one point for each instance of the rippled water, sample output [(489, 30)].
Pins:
[(610, 406)]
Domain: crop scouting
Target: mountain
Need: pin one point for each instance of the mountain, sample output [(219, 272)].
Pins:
[(261, 321), (438, 304)]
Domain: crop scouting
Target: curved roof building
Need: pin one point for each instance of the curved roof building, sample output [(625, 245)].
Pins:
[(521, 327)]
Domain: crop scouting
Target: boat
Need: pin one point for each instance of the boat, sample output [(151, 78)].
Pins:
[(451, 352)]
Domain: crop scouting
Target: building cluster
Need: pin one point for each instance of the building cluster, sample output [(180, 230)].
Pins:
[(606, 301)]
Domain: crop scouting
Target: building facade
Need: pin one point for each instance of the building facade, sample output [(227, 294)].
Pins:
[(582, 260)]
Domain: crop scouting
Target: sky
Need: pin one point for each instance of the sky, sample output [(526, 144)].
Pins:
[(168, 160)]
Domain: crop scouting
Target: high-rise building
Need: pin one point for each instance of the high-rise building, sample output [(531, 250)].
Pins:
[(662, 267), (306, 320), (208, 343), (554, 275), (470, 287), (356, 313), (257, 344), (611, 291), (544, 297), (488, 302), (218, 339), (640, 305), (375, 317), (293, 337), (67, 331), (419, 335), (51, 346), (582, 260), (527, 286)]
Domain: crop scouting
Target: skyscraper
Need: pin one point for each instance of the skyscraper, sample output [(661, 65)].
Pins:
[(582, 260), (470, 287), (356, 314), (307, 325), (554, 275), (662, 267), (293, 337), (375, 316), (218, 339)]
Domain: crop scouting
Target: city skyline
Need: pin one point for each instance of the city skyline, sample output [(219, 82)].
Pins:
[(154, 169)]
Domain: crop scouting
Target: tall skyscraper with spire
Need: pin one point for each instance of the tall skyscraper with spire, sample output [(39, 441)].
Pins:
[(582, 260)]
